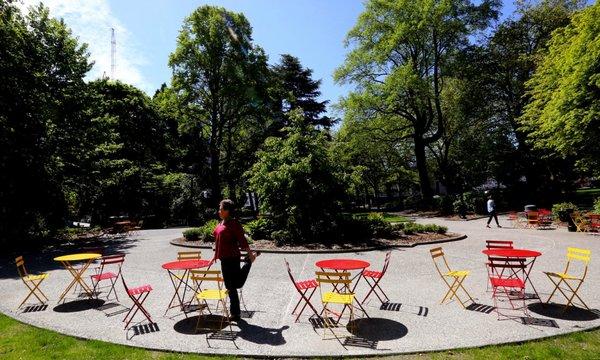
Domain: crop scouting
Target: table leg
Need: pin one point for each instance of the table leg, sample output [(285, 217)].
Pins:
[(77, 278), (527, 279), (176, 295)]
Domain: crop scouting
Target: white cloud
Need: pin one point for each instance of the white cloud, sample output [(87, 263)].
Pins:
[(91, 21)]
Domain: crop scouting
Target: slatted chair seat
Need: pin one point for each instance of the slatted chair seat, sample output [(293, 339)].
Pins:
[(562, 275), (36, 277), (457, 273), (307, 284), (508, 282), (139, 290), (336, 298), (372, 274), (104, 276), (211, 294)]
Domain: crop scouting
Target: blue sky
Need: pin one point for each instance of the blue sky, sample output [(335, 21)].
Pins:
[(146, 33)]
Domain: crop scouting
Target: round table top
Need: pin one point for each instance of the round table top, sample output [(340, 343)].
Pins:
[(185, 264), (343, 264), (78, 257), (518, 253)]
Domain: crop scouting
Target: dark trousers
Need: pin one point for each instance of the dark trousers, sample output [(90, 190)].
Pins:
[(493, 215), (234, 278)]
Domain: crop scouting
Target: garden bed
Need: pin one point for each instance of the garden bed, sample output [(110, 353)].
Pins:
[(401, 241)]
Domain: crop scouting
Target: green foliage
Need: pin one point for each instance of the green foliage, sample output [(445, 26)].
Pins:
[(397, 84), (597, 206), (414, 228), (260, 228), (296, 182), (564, 113), (204, 233), (564, 206)]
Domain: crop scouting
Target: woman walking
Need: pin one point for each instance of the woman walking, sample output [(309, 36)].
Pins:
[(229, 239)]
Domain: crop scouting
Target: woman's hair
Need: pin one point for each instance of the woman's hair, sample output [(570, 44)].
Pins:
[(228, 205)]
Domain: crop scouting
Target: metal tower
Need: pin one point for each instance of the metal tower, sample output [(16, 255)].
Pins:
[(113, 53)]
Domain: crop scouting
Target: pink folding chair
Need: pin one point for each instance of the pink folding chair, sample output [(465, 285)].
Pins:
[(374, 277), (303, 287), (110, 261), (138, 295)]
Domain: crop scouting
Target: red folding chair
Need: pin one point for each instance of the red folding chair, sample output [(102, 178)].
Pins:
[(114, 261), (496, 244), (138, 295), (303, 287), (373, 277), (510, 287)]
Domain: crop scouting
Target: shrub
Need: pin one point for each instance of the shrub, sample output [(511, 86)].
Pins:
[(281, 237), (561, 207), (260, 228), (414, 228), (204, 232), (597, 206), (444, 204), (192, 234), (378, 227)]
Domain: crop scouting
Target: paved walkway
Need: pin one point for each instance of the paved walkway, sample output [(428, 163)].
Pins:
[(418, 324)]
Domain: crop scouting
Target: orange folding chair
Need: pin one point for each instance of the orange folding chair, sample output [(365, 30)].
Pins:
[(532, 218), (594, 222), (114, 261), (510, 287), (303, 287), (138, 295), (31, 281), (373, 277), (573, 282), (458, 277)]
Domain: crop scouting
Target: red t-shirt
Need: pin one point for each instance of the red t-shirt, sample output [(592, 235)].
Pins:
[(229, 238)]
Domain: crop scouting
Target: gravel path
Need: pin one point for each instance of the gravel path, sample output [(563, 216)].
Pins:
[(418, 324)]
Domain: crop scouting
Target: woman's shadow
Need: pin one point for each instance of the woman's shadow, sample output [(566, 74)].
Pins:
[(261, 335)]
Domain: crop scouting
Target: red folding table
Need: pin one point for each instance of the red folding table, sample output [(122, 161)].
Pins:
[(344, 265), (183, 279), (518, 254)]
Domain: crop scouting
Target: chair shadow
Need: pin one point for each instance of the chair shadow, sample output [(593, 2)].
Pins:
[(377, 329), (210, 323), (261, 335), (555, 311), (79, 305)]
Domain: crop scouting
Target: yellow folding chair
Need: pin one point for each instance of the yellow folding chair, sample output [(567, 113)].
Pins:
[(340, 294), (572, 282), (189, 255), (218, 295), (458, 277), (581, 223), (31, 281)]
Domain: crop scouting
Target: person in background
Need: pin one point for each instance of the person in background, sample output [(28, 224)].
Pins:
[(229, 239), (491, 208)]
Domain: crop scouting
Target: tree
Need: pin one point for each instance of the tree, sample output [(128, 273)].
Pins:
[(42, 120), (296, 181), (401, 54), (296, 89), (564, 113), (130, 156), (216, 72)]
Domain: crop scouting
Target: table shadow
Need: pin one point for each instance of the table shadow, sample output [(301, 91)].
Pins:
[(79, 305), (209, 323), (555, 311), (377, 329)]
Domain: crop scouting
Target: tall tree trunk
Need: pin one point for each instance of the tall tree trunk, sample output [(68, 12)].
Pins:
[(215, 176), (421, 160)]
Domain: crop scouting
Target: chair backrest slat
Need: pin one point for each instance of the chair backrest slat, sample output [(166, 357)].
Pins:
[(206, 275), (582, 255), (436, 252), (499, 244), (20, 262), (189, 255), (112, 259)]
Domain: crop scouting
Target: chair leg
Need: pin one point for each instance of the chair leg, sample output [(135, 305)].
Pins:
[(306, 303), (575, 295), (556, 286)]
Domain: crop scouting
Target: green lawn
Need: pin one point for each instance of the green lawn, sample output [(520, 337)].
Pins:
[(20, 341)]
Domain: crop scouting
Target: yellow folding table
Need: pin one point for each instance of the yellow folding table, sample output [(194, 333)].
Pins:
[(77, 273)]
